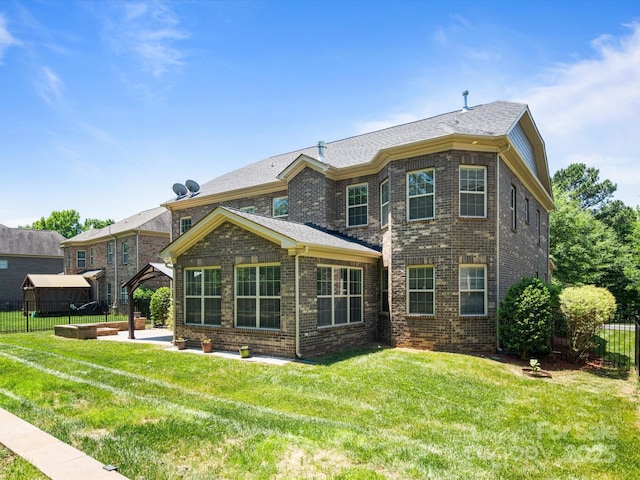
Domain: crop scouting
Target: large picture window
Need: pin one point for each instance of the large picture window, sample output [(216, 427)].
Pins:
[(421, 195), (339, 295), (421, 290), (258, 296), (357, 205), (473, 289), (203, 296), (473, 192)]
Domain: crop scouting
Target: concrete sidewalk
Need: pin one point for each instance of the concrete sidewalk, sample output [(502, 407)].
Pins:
[(55, 459)]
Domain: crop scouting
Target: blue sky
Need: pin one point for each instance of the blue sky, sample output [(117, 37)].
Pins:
[(105, 104)]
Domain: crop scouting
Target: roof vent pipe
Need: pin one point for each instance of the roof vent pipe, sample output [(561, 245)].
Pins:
[(321, 148), (465, 94)]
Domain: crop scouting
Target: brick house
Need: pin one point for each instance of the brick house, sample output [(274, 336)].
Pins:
[(108, 257), (24, 251), (411, 235)]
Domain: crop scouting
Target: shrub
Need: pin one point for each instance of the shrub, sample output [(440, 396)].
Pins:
[(143, 293), (585, 309), (525, 318), (159, 307)]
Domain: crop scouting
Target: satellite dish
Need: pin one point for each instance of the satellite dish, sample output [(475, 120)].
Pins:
[(180, 190), (193, 187)]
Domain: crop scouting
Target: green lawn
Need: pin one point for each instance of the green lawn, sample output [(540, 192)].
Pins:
[(13, 467), (15, 321), (384, 413)]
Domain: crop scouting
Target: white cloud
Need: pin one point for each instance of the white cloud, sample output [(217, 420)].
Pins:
[(50, 87), (6, 40), (148, 31), (589, 111)]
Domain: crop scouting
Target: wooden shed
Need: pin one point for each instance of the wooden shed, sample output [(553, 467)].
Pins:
[(54, 293)]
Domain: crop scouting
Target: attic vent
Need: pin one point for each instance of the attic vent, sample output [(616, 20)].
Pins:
[(321, 149), (465, 94)]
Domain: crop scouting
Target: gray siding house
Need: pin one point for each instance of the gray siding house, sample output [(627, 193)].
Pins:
[(108, 257), (410, 235), (24, 251)]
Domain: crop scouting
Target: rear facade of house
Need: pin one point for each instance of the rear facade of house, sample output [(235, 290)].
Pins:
[(410, 235)]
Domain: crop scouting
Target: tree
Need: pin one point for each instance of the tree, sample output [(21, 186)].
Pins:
[(67, 223), (582, 184)]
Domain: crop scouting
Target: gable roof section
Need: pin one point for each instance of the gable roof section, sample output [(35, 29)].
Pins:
[(154, 221), (483, 128), (55, 281), (297, 238), (29, 242)]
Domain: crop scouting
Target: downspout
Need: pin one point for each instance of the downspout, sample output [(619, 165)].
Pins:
[(498, 244), (115, 265), (297, 280)]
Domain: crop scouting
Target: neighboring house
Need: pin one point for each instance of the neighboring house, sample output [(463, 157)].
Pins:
[(411, 235), (110, 256), (24, 251)]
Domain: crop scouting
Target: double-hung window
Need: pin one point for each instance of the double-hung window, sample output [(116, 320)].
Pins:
[(125, 253), (81, 258), (421, 290), (185, 224), (124, 296), (384, 203), (473, 290), (258, 296), (339, 295), (91, 255), (357, 205), (281, 207), (110, 252), (203, 296), (513, 200), (421, 194), (473, 192)]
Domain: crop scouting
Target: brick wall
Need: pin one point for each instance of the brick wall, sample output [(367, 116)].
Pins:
[(17, 269)]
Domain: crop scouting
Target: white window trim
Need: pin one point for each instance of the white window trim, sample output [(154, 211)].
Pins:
[(202, 296), (78, 258), (182, 220), (110, 253), (359, 205), (257, 296), (384, 221), (124, 296), (273, 207), (432, 194), (408, 291), (91, 255), (251, 209), (348, 296), (460, 191), (125, 253), (472, 265)]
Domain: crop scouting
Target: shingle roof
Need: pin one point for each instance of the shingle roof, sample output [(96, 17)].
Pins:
[(55, 281), (24, 241), (304, 234), (155, 220), (493, 119)]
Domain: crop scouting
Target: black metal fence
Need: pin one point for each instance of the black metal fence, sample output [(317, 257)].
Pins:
[(19, 316), (618, 342)]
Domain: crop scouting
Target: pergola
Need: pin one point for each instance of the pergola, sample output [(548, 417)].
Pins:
[(148, 272)]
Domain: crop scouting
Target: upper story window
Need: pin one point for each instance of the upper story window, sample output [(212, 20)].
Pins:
[(473, 290), (110, 252), (421, 194), (258, 296), (81, 258), (357, 205), (473, 192), (68, 259), (203, 296), (512, 207), (125, 252), (421, 290), (538, 227), (248, 209), (90, 255), (526, 211), (281, 206), (339, 292), (384, 203), (185, 224)]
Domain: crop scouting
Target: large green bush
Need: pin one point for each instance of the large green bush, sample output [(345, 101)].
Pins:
[(159, 307), (585, 309), (525, 318)]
